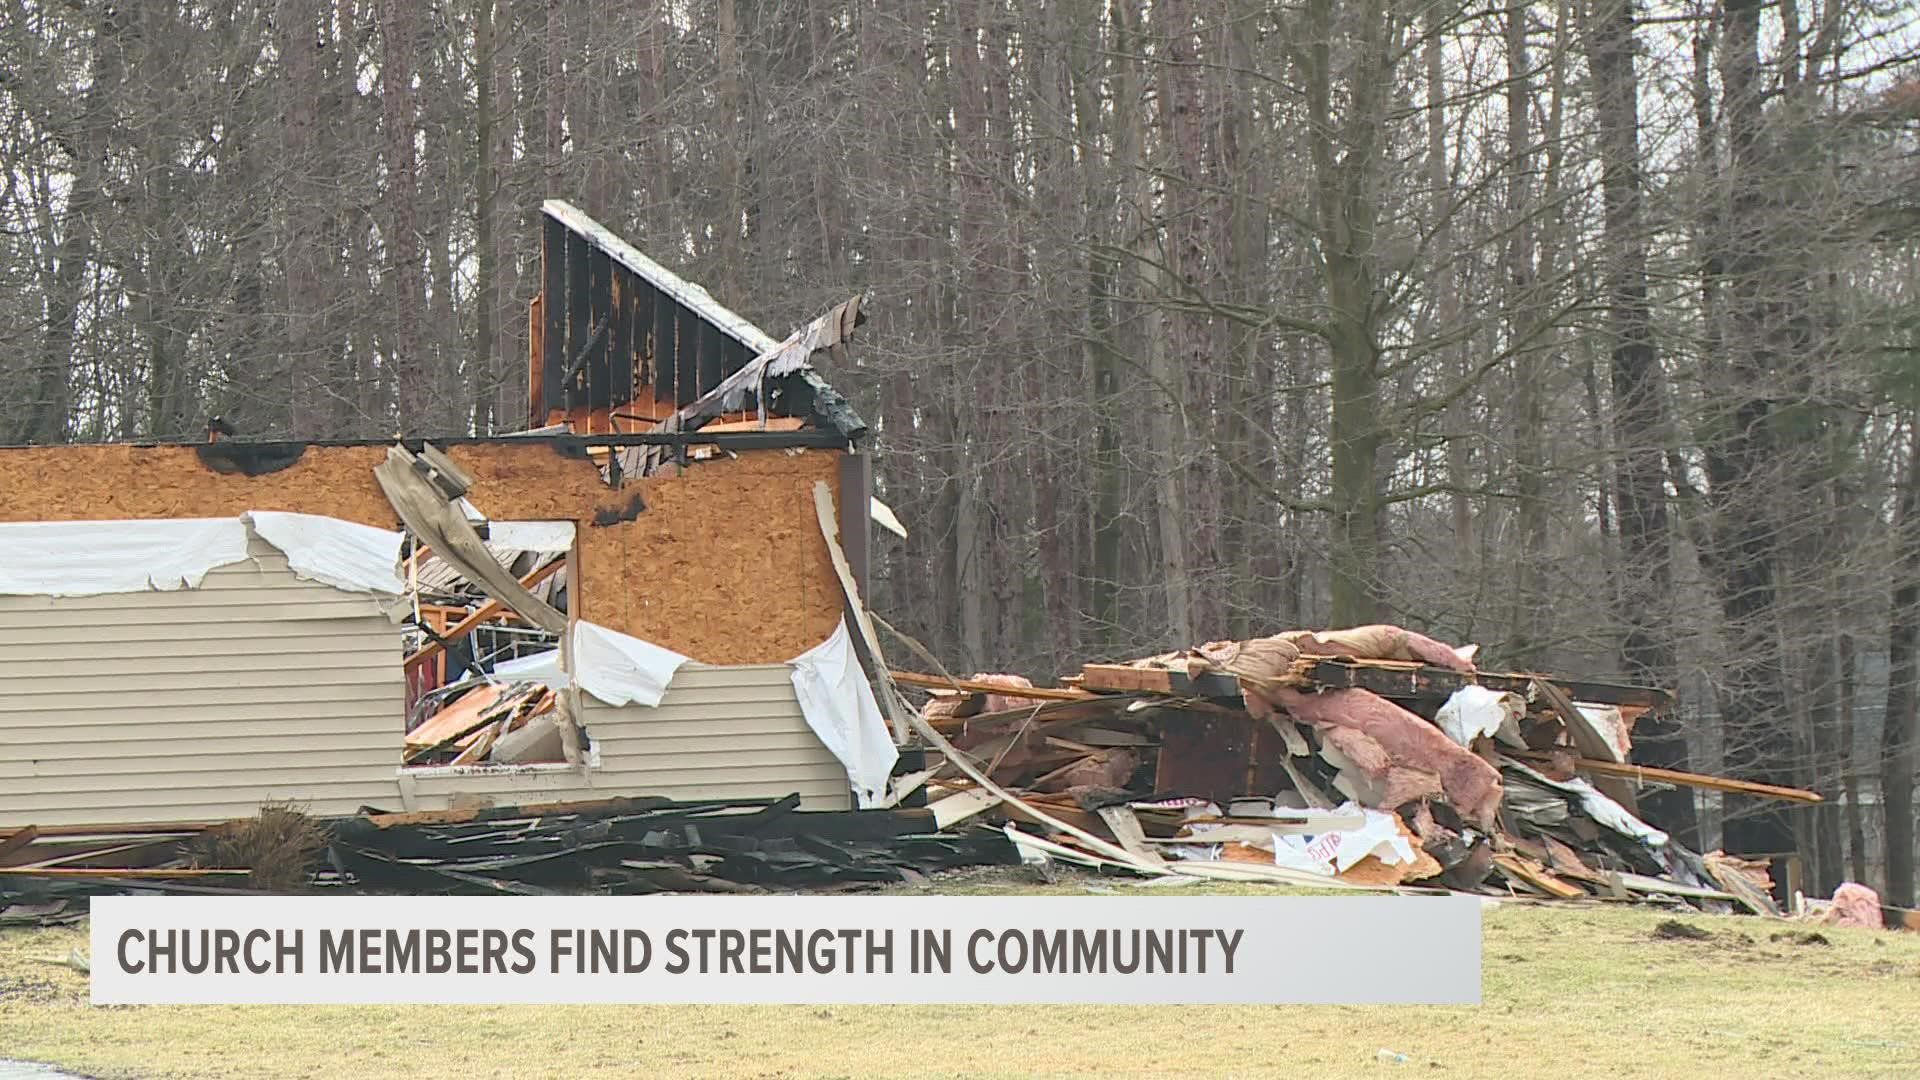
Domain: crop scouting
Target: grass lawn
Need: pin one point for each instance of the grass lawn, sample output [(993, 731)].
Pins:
[(1569, 992)]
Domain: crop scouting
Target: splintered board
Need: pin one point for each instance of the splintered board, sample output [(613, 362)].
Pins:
[(725, 563)]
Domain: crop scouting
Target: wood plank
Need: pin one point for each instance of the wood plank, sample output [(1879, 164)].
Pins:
[(1588, 740), (961, 805), (619, 385), (1531, 873), (579, 315), (1126, 829), (1898, 918), (1640, 883), (772, 423), (17, 839), (889, 699), (550, 356), (1651, 774), (1123, 678), (711, 362), (600, 312), (940, 682)]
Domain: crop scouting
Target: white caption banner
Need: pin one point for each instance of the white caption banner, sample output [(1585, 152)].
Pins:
[(1158, 950)]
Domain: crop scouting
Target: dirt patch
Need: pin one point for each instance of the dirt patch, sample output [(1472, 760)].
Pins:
[(1675, 930)]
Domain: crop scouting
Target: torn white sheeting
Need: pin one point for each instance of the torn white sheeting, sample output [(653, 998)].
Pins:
[(541, 667), (344, 554), (840, 708), (620, 669), (1606, 720), (546, 537), (90, 558), (1335, 852), (1475, 711)]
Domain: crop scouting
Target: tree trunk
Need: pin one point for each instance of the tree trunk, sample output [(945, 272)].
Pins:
[(1644, 573), (1743, 466), (401, 267), (1901, 728), (486, 273), (1344, 155)]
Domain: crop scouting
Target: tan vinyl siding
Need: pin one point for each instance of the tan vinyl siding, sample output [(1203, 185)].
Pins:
[(200, 704), (719, 733), (197, 704)]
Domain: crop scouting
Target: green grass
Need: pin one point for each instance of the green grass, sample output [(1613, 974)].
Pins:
[(1568, 992)]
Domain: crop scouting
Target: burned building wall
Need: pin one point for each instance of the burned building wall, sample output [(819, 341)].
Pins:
[(723, 562)]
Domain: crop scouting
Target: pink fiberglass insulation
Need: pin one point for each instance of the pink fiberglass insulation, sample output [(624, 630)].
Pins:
[(1379, 642), (1001, 702), (1380, 737), (1855, 905)]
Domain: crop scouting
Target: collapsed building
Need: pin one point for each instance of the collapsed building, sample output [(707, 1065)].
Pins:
[(188, 632), (625, 649)]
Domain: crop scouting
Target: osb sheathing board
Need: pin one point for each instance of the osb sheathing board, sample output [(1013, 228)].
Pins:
[(725, 564)]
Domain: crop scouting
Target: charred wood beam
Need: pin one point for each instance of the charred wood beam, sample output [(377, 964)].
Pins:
[(579, 313), (686, 366), (626, 303), (553, 317), (600, 311), (661, 348)]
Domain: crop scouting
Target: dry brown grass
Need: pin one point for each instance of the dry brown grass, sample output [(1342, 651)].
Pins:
[(280, 846), (1569, 992)]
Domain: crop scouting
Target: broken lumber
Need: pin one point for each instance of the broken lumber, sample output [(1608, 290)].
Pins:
[(892, 705), (489, 610), (1650, 774), (1591, 744), (975, 686), (17, 839), (1532, 874)]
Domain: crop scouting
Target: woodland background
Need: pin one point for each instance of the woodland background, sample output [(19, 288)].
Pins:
[(1582, 329)]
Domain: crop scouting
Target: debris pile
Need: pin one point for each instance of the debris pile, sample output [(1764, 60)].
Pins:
[(623, 846), (1372, 756), (492, 722)]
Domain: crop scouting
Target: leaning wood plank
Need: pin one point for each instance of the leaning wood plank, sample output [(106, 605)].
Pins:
[(1673, 776), (1531, 873), (1126, 829), (436, 521), (973, 686), (490, 610), (17, 839), (1590, 743), (890, 702)]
